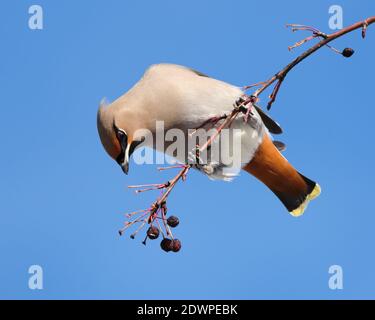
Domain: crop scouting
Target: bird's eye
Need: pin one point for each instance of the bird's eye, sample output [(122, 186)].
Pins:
[(121, 135), (123, 140)]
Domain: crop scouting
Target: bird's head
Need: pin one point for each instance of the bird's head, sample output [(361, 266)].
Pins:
[(116, 136)]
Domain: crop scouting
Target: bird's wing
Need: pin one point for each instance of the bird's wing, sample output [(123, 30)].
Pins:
[(270, 124), (201, 74)]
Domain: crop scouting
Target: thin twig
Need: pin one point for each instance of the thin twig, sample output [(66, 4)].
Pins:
[(280, 76)]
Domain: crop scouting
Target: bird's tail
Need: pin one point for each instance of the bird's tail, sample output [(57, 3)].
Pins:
[(293, 189)]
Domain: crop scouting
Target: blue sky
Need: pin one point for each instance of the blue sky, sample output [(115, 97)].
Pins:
[(63, 198)]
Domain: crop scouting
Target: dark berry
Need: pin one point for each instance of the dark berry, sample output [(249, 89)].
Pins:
[(153, 233), (176, 245), (173, 221), (347, 52), (166, 244)]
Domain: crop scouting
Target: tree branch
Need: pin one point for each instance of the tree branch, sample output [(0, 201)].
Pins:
[(327, 38), (243, 106)]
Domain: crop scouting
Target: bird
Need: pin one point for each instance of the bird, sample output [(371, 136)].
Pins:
[(184, 98)]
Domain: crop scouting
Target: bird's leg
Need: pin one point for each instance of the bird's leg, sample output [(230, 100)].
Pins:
[(195, 158), (250, 107), (245, 104)]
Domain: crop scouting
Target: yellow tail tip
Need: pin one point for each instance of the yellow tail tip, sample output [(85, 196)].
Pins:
[(301, 209)]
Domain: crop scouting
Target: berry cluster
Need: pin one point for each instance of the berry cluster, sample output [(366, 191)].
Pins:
[(153, 216), (166, 244)]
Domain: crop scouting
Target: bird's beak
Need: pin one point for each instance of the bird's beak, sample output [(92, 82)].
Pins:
[(125, 164), (125, 167)]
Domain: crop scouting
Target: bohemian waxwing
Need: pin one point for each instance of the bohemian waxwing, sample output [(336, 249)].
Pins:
[(184, 99)]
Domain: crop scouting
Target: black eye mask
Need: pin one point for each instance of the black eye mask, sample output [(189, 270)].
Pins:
[(134, 145), (123, 140)]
